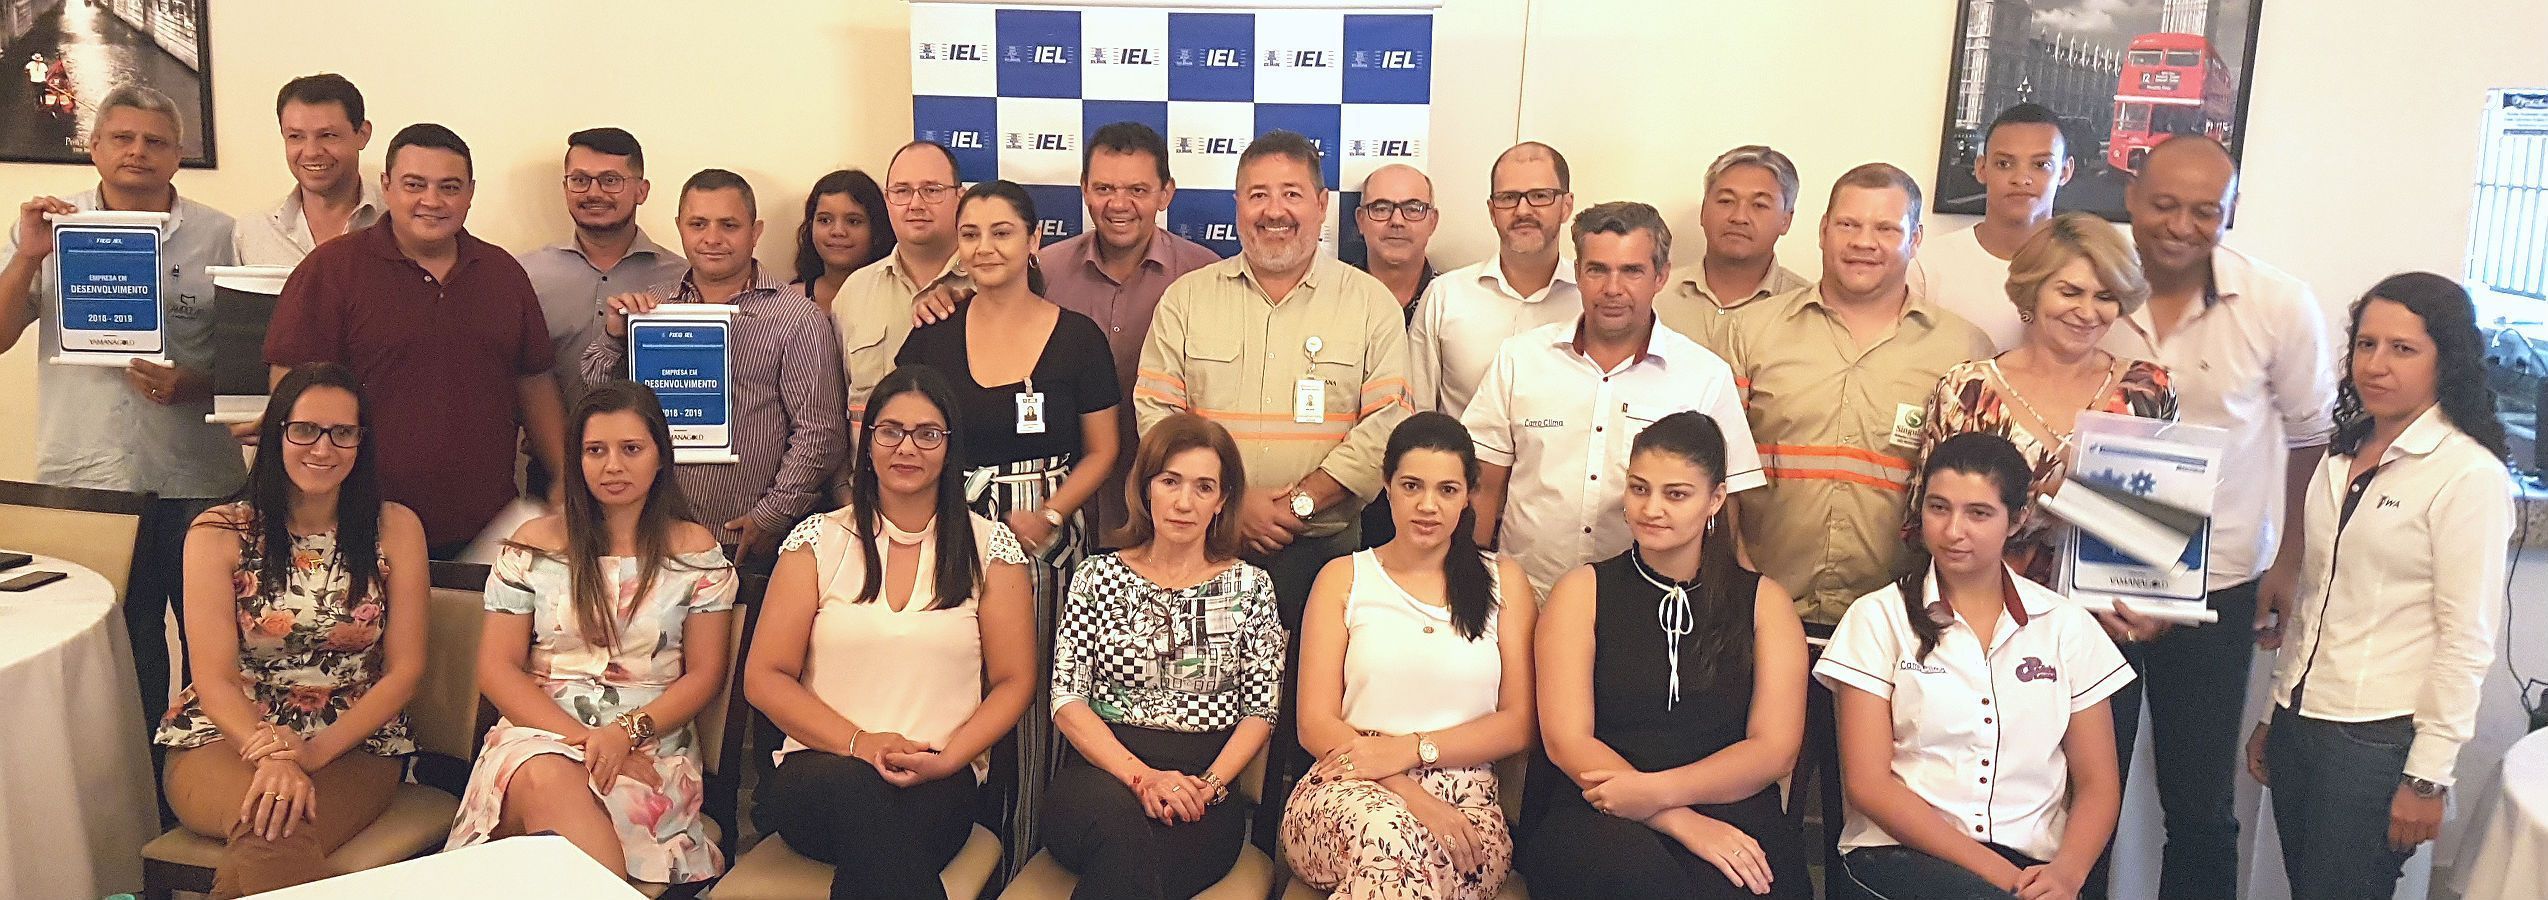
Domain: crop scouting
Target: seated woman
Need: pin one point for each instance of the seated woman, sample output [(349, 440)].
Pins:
[(1671, 698), (606, 632), (1165, 674), (305, 624), (1415, 679), (893, 654), (1975, 744)]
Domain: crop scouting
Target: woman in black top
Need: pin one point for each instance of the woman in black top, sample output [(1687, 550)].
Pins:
[(1036, 398), (1671, 697)]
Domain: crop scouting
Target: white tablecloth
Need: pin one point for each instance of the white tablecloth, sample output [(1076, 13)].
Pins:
[(2506, 855), (545, 867), (76, 799)]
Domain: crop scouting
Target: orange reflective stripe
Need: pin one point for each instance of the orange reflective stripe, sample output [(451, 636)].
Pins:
[(1397, 401), (1164, 379), (1836, 475), (1175, 400), (1231, 415), (1853, 453)]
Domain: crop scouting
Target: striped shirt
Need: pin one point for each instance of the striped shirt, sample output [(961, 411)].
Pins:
[(1220, 348), (1689, 307), (786, 423), (1839, 427)]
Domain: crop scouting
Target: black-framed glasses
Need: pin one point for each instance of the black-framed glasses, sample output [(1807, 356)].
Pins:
[(307, 433), (1510, 199), (1413, 210), (609, 182), (933, 192), (926, 437)]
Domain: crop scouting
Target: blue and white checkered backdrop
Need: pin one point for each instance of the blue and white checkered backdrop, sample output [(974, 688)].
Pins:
[(1014, 89)]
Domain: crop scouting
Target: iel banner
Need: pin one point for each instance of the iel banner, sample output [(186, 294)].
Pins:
[(1014, 88), (680, 350), (107, 270)]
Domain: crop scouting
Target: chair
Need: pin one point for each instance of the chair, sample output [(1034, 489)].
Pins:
[(443, 719), (1509, 773), (1250, 878), (96, 529), (721, 741)]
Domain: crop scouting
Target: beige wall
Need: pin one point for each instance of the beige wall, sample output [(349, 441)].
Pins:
[(2363, 118)]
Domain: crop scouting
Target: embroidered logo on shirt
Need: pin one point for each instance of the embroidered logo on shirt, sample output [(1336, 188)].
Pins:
[(2388, 502), (1915, 666), (2033, 669), (1543, 423)]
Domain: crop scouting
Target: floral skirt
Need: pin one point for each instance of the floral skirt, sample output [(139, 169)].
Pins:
[(1358, 839), (661, 829)]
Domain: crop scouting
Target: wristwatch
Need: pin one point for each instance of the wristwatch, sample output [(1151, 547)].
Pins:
[(1051, 516), (639, 725), (1302, 505), (1426, 751), (2426, 789)]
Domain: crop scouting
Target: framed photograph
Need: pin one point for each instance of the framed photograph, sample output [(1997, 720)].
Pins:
[(2123, 75), (59, 58)]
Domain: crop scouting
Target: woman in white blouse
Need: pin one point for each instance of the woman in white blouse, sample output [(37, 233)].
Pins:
[(2402, 577), (1415, 678), (895, 647)]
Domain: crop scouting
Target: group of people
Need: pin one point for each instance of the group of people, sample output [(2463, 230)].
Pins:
[(1664, 537)]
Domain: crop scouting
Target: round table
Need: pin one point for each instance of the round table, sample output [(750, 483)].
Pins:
[(2505, 856), (76, 799)]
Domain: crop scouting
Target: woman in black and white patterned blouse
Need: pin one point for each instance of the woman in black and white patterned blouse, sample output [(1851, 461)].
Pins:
[(1166, 669)]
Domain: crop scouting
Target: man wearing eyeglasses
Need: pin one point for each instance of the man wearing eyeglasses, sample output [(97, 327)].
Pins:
[(605, 182), (1396, 221), (873, 311), (1530, 282), (1751, 201)]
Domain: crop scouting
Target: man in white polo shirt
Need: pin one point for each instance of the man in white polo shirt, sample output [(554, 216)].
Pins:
[(2024, 161), (1560, 404), (1469, 311), (2246, 349)]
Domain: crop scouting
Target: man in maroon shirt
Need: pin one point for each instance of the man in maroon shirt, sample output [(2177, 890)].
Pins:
[(446, 334)]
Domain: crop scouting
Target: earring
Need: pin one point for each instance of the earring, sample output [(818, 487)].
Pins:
[(2026, 317)]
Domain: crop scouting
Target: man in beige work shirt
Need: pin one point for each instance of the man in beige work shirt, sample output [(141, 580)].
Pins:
[(1751, 200), (873, 312)]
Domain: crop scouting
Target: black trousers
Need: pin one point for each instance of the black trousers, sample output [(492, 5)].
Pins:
[(158, 584), (2196, 681), (1294, 570), (1572, 851), (1818, 764), (1096, 828), (1886, 873), (884, 842)]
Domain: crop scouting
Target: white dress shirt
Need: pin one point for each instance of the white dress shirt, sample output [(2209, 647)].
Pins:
[(1954, 272), (1465, 316), (1564, 426), (1977, 732), (2398, 603), (2250, 357)]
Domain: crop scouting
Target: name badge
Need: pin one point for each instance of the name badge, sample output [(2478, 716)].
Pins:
[(1909, 419), (1030, 412), (1309, 401)]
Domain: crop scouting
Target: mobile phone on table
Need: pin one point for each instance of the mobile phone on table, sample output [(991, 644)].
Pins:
[(10, 559), (30, 581)]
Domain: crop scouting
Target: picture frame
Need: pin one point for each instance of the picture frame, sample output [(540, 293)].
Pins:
[(59, 58)]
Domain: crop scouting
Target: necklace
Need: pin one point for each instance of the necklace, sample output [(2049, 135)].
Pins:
[(2060, 438), (1672, 614)]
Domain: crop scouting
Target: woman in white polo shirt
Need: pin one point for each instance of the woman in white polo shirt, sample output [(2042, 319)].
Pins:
[(1975, 744), (2390, 640)]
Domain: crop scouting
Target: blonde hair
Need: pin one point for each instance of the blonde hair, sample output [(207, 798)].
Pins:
[(2076, 235)]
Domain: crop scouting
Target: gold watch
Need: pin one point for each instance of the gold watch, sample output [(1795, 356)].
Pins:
[(1426, 751)]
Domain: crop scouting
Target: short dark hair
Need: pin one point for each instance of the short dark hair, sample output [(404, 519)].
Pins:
[(1286, 144), (720, 180), (1880, 176), (428, 134), (2028, 114), (611, 142), (1624, 218), (1127, 138), (1565, 176), (952, 165), (327, 87)]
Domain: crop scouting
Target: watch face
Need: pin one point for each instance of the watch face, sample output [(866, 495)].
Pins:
[(1302, 506)]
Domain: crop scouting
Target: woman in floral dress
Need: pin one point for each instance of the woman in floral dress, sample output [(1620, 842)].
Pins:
[(305, 624), (606, 632)]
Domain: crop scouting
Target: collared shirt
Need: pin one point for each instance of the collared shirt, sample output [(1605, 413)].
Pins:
[(1959, 276), (281, 236), (1074, 280), (2402, 580), (872, 315), (2251, 357), (441, 363), (1977, 731), (1838, 426), (573, 294), (1562, 424), (1463, 318), (786, 391), (1689, 307), (1224, 350), (93, 430)]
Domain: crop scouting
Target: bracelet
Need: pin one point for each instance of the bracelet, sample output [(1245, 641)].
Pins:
[(639, 725), (1220, 791), (855, 733)]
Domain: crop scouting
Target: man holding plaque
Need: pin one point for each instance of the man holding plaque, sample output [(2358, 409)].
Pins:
[(138, 427), (782, 392)]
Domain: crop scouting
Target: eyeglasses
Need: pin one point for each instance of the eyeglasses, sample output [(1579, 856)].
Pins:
[(1510, 199), (609, 182), (307, 433), (933, 192), (1133, 192), (1413, 210), (928, 437)]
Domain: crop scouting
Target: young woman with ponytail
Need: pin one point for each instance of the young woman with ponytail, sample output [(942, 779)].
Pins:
[(1976, 748), (1415, 679), (1672, 699)]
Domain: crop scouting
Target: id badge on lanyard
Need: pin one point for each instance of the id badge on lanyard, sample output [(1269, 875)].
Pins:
[(1309, 395), (1030, 409)]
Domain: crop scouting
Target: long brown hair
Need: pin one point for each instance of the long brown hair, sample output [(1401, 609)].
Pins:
[(1971, 453), (587, 537)]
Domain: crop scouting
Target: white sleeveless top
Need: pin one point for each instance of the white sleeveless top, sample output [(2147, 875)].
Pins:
[(916, 672), (1407, 669)]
